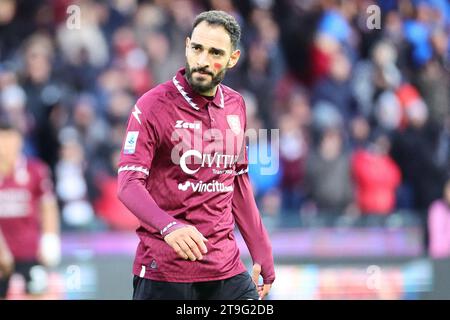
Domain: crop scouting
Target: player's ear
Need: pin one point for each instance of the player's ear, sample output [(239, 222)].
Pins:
[(234, 58), (188, 41)]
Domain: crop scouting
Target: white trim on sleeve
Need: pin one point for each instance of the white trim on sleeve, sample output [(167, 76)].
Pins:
[(167, 227), (134, 168)]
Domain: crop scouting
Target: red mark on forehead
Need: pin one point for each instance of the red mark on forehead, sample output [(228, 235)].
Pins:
[(217, 66)]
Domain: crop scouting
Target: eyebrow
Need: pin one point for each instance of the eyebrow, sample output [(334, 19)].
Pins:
[(221, 51)]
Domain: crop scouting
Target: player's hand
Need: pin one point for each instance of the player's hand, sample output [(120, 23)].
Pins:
[(187, 242), (6, 262), (49, 253), (263, 289)]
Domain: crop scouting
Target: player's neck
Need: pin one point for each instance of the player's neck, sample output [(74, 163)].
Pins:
[(209, 94), (6, 168)]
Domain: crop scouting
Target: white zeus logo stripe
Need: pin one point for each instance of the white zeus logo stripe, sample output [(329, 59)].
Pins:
[(134, 168), (136, 113), (200, 186), (184, 94)]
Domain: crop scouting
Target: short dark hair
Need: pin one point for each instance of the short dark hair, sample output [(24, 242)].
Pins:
[(221, 18)]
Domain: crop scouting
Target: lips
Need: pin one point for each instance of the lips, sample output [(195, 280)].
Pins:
[(204, 73)]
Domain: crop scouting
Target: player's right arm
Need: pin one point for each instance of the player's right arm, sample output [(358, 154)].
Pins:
[(141, 141), (6, 258)]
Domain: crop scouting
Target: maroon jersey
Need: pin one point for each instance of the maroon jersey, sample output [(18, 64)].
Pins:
[(21, 194), (183, 162)]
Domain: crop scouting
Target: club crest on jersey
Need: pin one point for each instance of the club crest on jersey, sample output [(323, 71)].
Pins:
[(130, 142), (235, 123)]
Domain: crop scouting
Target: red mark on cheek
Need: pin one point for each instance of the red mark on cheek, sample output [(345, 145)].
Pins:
[(217, 66)]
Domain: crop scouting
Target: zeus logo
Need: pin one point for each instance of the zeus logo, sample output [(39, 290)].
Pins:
[(187, 125), (136, 113), (207, 160)]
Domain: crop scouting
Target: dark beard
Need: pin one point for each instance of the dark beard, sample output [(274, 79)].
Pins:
[(202, 88)]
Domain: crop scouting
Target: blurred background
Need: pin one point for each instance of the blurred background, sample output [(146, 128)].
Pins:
[(360, 208)]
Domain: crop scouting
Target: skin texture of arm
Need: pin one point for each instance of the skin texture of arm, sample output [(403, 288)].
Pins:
[(6, 258), (49, 216), (49, 253)]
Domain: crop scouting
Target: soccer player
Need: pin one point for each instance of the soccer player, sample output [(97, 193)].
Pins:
[(29, 220), (183, 173)]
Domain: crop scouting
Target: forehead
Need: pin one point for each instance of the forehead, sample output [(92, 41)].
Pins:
[(209, 35), (9, 134)]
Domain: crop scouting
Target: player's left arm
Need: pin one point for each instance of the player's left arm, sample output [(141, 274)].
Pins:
[(6, 258), (249, 222), (49, 252)]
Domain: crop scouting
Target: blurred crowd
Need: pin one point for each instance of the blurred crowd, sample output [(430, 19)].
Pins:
[(363, 112)]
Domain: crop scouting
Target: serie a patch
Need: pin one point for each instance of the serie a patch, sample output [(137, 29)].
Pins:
[(130, 142)]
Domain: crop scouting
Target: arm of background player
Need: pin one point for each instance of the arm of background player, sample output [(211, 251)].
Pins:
[(6, 258), (50, 216), (250, 225), (50, 244)]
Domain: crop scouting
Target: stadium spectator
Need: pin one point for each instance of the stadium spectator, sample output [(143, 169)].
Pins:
[(328, 179), (439, 225), (294, 140), (414, 149), (71, 186), (376, 177)]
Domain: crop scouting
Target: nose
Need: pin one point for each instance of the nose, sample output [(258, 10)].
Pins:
[(203, 61)]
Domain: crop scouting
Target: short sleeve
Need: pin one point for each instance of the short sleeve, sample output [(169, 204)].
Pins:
[(140, 142)]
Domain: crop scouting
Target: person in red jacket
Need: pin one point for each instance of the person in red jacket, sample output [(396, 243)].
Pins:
[(376, 177)]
